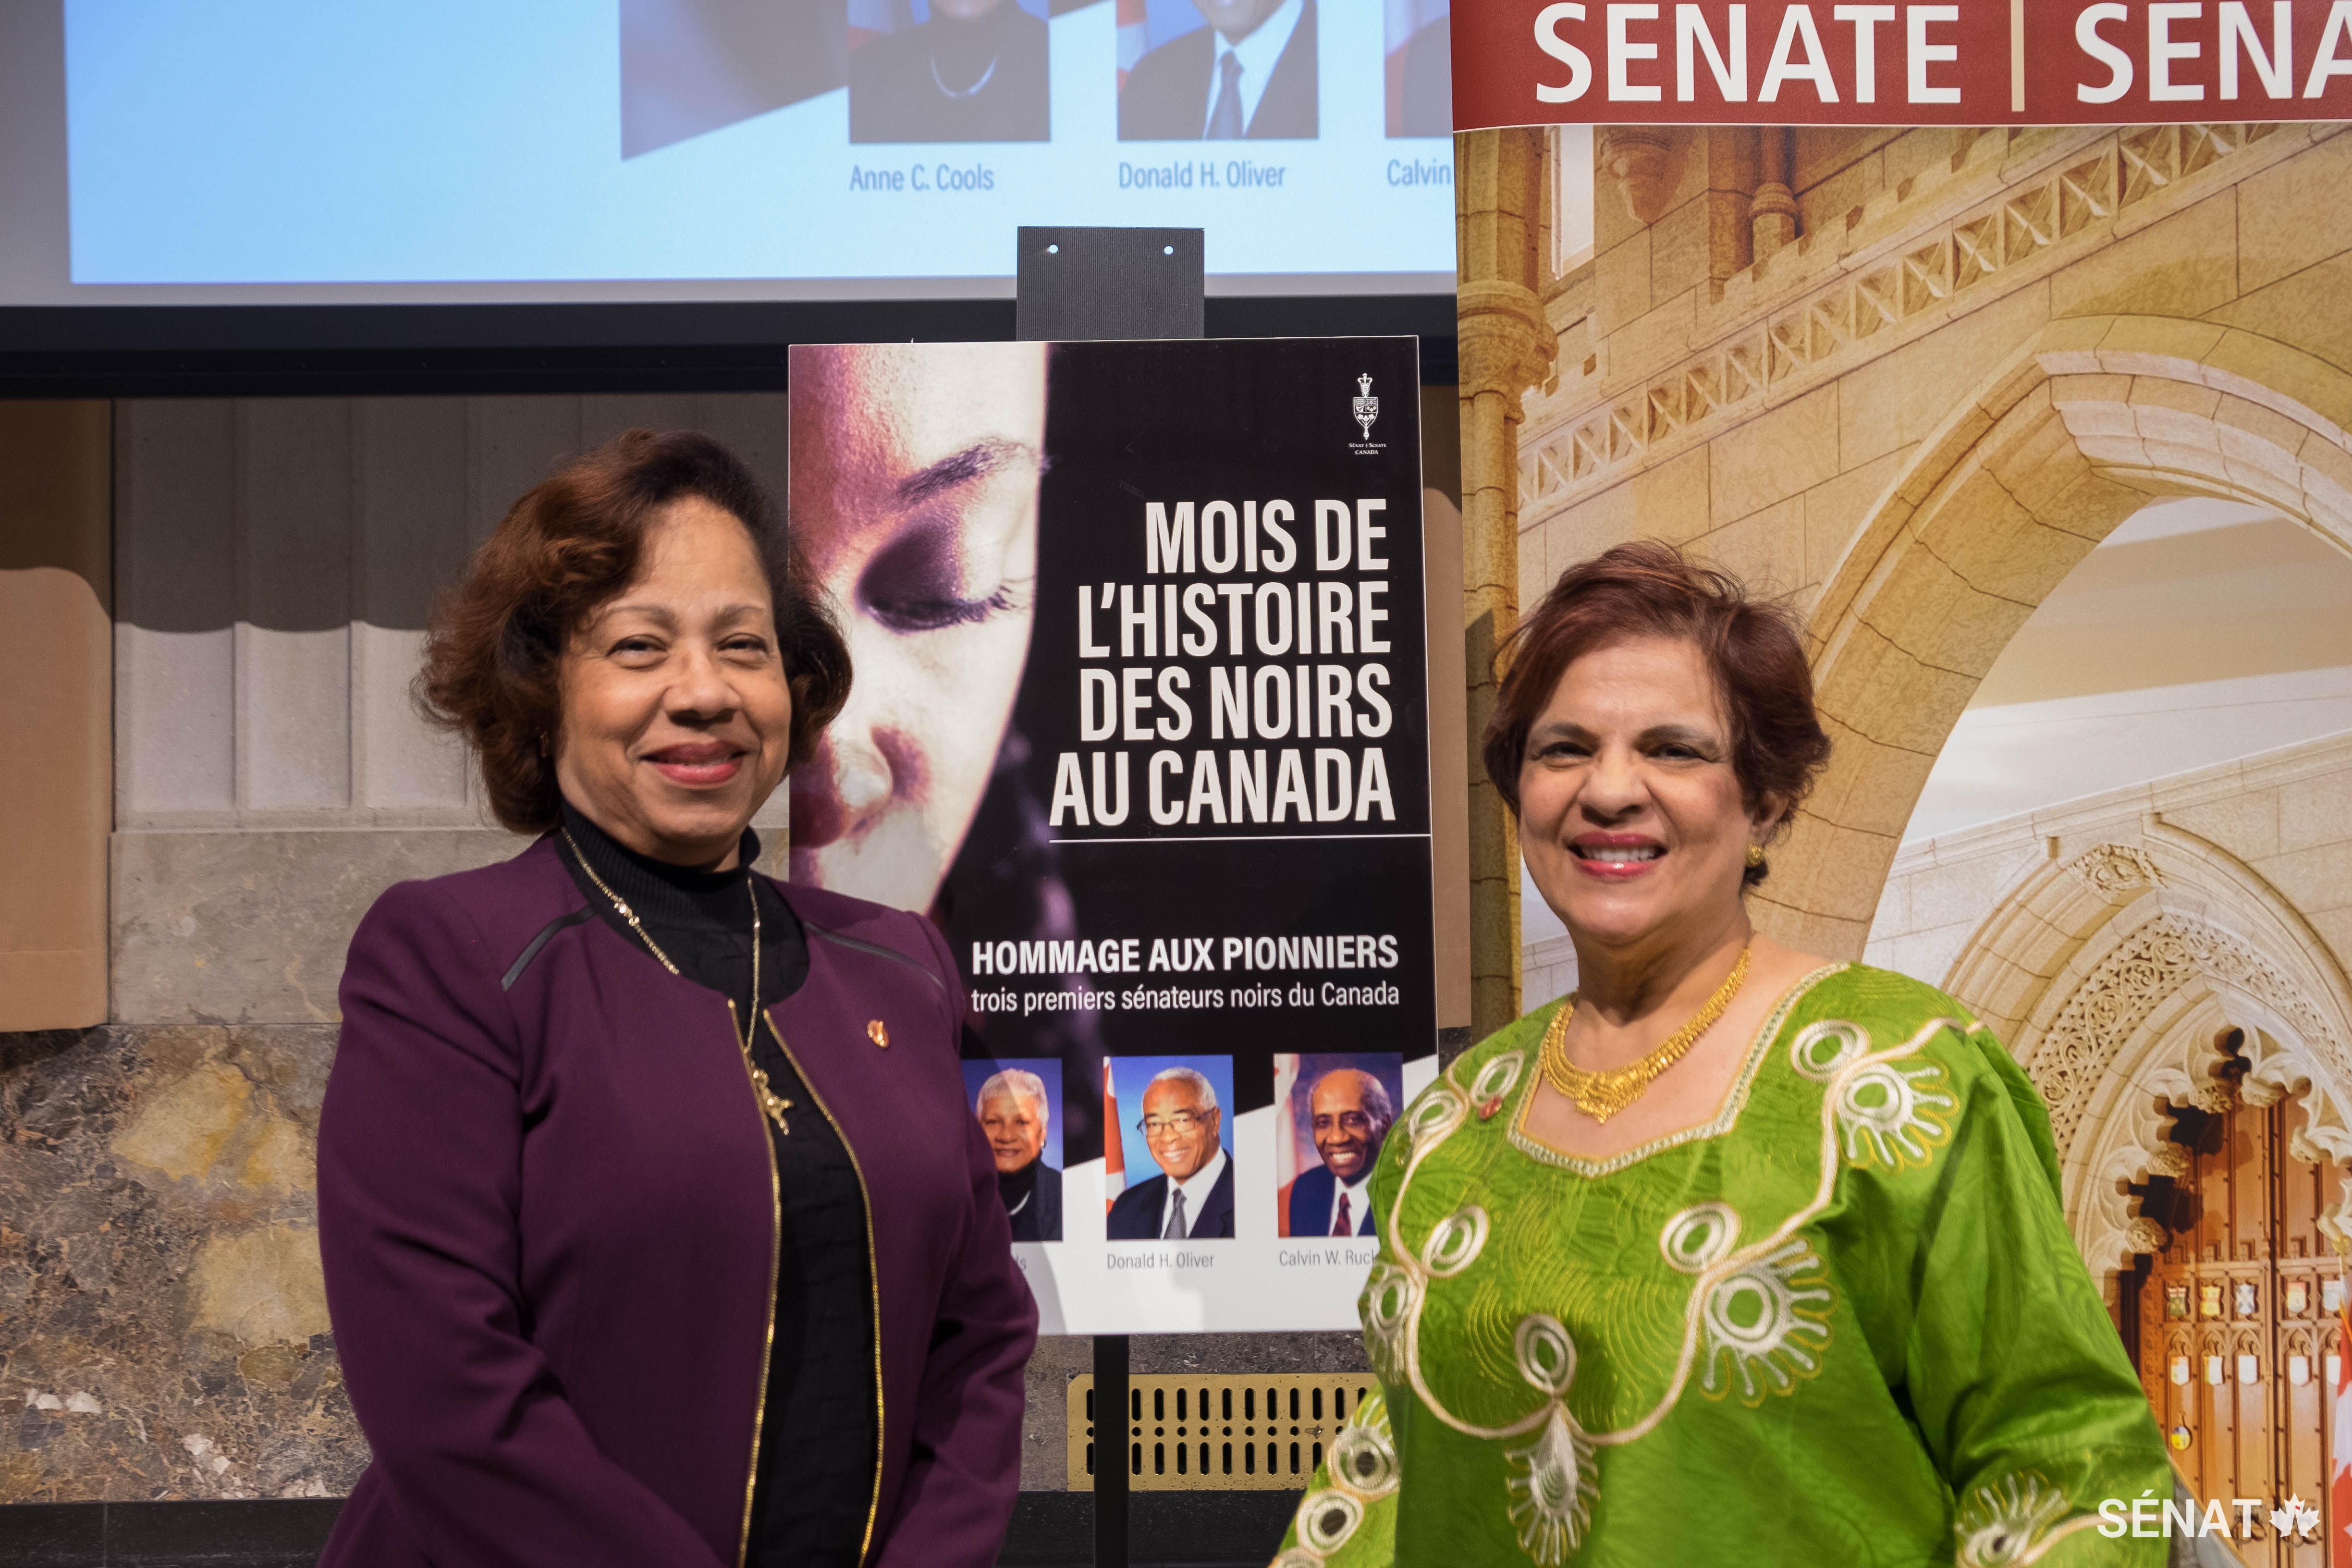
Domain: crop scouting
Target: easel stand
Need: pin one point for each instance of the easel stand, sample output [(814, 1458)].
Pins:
[(1080, 285)]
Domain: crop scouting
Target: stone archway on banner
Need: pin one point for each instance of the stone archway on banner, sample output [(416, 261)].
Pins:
[(2116, 974), (2099, 418)]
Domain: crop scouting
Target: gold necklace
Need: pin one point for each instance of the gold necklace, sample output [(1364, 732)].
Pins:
[(772, 1104), (1602, 1095)]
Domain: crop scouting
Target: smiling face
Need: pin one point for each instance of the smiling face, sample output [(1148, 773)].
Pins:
[(1347, 1134), (1016, 1133), (677, 716), (914, 493), (1630, 812), (1237, 20), (1182, 1136)]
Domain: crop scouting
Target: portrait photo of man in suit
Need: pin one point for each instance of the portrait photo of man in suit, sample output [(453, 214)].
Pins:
[(1015, 1111), (1193, 1196), (1349, 1112), (1251, 73)]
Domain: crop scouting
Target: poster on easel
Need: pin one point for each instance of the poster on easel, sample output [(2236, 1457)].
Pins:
[(1140, 720)]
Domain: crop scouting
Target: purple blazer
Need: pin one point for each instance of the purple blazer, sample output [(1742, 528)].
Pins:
[(547, 1211)]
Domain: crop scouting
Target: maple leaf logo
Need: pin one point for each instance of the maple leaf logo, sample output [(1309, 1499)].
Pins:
[(2294, 1518)]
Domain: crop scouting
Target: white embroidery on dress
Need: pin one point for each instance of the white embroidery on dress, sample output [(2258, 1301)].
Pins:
[(1362, 1468), (2000, 1523), (1498, 1077), (1879, 1104), (1819, 1049), (1364, 1459), (1455, 1242), (1765, 1318), (1387, 1307), (1884, 1104), (1554, 1490), (1700, 1236), (1326, 1518)]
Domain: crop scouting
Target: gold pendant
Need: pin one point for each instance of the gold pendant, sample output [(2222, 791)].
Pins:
[(774, 1104), (1602, 1095)]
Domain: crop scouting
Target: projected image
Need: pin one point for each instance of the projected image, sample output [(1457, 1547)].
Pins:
[(949, 70), (1217, 70), (693, 66), (716, 149), (1420, 68)]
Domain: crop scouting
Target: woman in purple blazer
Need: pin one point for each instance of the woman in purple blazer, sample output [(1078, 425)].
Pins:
[(656, 1228)]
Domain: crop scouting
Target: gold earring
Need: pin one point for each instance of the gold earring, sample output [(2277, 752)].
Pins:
[(1755, 855)]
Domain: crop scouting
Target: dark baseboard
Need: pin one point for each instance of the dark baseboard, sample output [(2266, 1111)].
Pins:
[(1050, 1530), (1165, 1530), (275, 1533)]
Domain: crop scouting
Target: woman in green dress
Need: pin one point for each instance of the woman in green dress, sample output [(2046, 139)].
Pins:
[(1738, 1255)]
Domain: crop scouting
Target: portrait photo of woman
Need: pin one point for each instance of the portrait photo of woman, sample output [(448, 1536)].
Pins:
[(1734, 1245), (657, 1224)]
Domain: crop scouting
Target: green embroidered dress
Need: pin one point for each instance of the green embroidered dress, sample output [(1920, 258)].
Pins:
[(1842, 1323)]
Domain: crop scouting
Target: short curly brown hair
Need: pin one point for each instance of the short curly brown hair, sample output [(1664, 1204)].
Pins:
[(496, 639), (1648, 588)]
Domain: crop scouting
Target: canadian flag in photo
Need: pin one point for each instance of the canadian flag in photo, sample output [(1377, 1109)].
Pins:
[(2339, 1474), (1114, 1152)]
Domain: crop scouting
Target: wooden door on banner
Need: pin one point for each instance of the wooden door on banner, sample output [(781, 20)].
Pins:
[(2239, 1335)]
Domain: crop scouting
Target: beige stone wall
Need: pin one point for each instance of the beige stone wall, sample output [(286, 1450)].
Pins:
[(1983, 350), (2287, 815)]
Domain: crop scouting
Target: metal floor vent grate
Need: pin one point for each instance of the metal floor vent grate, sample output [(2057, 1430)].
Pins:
[(1195, 1433)]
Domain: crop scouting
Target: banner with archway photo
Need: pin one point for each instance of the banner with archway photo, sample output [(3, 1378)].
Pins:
[(2010, 347)]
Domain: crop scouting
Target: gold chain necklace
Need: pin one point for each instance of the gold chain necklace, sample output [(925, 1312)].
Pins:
[(773, 1104), (1602, 1095)]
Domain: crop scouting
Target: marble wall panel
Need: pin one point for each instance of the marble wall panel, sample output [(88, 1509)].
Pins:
[(231, 927), (163, 1328)]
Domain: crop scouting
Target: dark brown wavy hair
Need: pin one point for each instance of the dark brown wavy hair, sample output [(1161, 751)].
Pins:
[(1648, 588), (563, 551)]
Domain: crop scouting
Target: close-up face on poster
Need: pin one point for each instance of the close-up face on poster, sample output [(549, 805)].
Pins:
[(1157, 765)]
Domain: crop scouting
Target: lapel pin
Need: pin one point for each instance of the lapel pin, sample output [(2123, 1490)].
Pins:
[(879, 1033)]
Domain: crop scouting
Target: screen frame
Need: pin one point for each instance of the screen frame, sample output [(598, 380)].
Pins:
[(246, 351)]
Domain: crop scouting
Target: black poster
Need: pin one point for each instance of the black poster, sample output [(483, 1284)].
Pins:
[(1193, 902)]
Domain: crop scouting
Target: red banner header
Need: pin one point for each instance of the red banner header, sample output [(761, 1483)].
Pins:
[(1965, 62)]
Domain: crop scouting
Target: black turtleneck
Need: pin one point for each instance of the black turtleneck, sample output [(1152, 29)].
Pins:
[(814, 1477), (984, 80), (1017, 1187)]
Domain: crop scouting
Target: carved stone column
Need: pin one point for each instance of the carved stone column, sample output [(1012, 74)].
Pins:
[(1506, 347), (1773, 213)]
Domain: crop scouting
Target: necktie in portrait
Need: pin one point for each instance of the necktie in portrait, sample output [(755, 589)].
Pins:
[(1225, 117)]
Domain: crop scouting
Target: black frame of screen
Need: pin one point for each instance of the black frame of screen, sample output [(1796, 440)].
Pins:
[(232, 350)]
